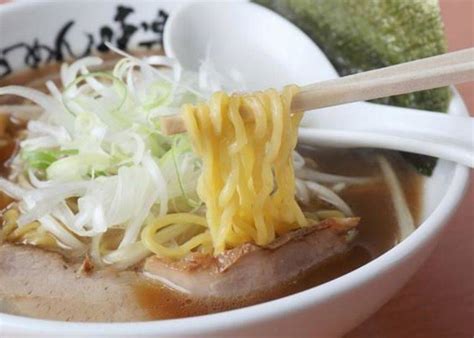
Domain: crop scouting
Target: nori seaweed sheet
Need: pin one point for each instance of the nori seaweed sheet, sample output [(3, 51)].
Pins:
[(360, 35)]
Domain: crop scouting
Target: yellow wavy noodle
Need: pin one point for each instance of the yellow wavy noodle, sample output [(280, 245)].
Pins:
[(31, 233), (247, 183), (168, 228)]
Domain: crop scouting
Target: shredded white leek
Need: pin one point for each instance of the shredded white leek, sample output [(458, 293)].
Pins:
[(95, 160), (405, 220), (98, 143)]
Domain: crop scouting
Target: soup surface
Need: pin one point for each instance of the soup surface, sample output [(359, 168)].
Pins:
[(377, 233)]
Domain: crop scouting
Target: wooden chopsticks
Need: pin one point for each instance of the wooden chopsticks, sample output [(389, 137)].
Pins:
[(423, 74)]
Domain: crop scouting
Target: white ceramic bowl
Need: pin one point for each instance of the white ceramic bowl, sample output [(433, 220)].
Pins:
[(33, 32)]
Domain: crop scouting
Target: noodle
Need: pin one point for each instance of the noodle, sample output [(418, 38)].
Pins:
[(154, 241), (31, 233), (247, 182)]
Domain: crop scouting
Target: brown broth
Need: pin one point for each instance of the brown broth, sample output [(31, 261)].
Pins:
[(377, 231)]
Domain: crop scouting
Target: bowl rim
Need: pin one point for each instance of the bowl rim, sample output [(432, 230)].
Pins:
[(273, 309)]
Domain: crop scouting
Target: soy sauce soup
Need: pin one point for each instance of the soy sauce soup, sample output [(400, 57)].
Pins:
[(377, 233)]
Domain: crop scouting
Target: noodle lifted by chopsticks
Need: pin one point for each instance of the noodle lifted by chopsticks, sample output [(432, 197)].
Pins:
[(248, 182)]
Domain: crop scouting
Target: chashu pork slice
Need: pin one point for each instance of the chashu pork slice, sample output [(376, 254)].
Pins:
[(38, 283), (250, 268)]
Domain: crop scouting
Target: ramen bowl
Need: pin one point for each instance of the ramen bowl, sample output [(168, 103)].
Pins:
[(35, 33)]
